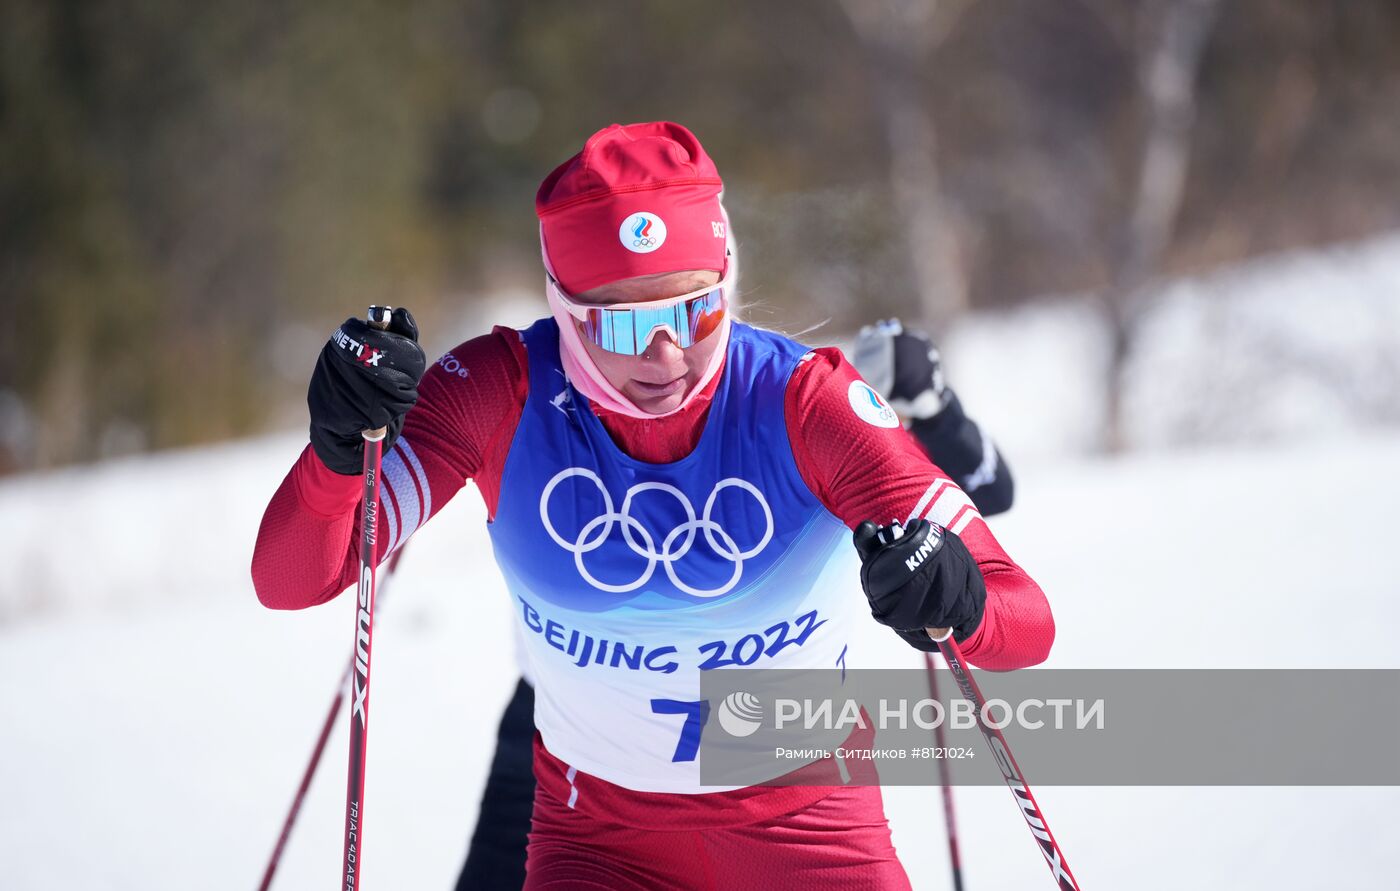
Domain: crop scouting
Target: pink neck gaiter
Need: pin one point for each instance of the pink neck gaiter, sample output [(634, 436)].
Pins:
[(583, 373)]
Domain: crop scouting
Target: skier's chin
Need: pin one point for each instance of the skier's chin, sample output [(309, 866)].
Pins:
[(659, 405)]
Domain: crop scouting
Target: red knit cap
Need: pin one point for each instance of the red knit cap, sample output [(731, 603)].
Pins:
[(639, 199)]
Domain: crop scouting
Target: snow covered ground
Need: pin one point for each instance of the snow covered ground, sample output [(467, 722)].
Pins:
[(154, 719), (154, 742)]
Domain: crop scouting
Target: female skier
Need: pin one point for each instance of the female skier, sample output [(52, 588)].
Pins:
[(670, 491)]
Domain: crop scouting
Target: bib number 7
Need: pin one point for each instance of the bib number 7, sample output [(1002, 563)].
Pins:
[(696, 714)]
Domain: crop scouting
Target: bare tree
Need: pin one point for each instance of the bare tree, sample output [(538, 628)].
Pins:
[(898, 39), (1174, 34)]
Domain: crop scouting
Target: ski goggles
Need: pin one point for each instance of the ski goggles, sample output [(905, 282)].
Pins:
[(627, 328)]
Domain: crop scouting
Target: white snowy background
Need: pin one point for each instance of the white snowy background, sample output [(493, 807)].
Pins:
[(154, 719)]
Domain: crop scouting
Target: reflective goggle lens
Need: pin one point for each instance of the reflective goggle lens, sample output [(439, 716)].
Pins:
[(628, 330)]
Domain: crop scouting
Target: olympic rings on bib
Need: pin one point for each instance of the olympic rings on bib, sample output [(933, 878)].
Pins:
[(676, 544)]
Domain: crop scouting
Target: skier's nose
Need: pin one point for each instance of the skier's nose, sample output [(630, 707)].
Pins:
[(663, 348)]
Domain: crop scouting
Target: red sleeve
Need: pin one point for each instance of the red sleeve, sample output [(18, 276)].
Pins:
[(469, 403), (863, 471)]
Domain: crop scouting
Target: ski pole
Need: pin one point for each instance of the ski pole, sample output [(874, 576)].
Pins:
[(1001, 751), (352, 865), (315, 762), (945, 777)]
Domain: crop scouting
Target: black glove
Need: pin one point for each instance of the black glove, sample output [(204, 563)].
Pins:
[(920, 577), (365, 379), (904, 366)]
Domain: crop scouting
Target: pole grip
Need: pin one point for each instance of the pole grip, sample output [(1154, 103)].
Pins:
[(378, 317)]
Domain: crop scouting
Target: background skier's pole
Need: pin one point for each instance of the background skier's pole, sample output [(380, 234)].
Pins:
[(353, 864), (315, 762), (1015, 781), (946, 779)]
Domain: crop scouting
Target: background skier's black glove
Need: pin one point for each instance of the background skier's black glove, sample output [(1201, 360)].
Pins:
[(920, 577), (365, 378), (904, 366)]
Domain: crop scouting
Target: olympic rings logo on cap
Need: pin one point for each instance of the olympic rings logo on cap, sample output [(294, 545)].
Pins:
[(674, 546), (642, 232)]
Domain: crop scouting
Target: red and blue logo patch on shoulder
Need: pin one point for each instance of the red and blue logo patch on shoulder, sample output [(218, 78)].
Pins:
[(870, 406)]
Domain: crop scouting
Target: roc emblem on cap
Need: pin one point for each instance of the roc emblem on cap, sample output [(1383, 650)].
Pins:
[(642, 232)]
